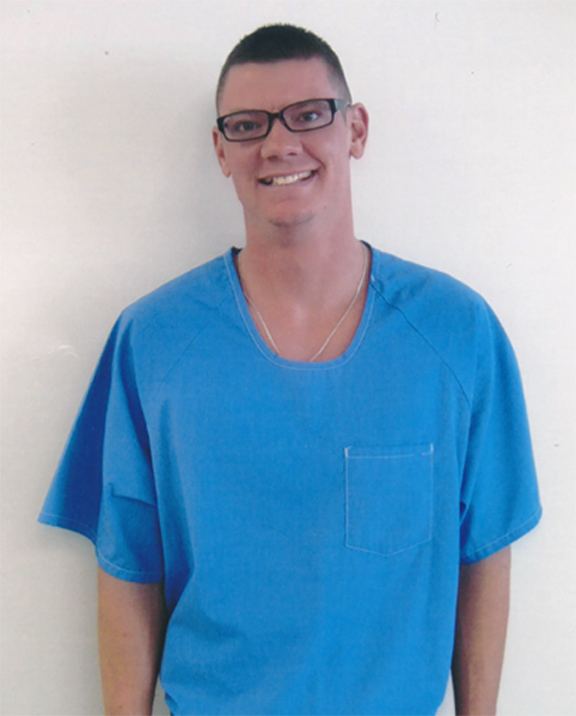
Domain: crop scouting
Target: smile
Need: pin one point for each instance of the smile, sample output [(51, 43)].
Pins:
[(286, 179)]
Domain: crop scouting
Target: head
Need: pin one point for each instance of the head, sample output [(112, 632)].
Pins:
[(273, 43), (270, 69)]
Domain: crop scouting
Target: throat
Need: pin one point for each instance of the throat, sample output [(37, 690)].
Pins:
[(300, 280), (314, 330), (314, 339)]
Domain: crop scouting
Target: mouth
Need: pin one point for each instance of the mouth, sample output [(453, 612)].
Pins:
[(286, 179)]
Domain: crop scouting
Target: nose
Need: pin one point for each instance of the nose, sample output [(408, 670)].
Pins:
[(280, 142)]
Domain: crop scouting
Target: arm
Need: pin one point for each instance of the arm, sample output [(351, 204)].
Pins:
[(482, 618), (131, 626)]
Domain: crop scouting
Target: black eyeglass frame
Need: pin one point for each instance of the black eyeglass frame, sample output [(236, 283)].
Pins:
[(335, 106)]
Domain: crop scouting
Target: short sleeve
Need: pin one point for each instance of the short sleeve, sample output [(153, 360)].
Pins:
[(499, 493), (104, 485)]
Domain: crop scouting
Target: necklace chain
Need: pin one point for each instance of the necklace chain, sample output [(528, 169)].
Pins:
[(336, 327)]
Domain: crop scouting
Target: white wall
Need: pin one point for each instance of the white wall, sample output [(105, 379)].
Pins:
[(109, 188)]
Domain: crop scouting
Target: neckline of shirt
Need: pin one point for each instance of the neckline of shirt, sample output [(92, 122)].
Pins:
[(264, 348)]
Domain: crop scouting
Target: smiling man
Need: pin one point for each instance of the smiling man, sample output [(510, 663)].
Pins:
[(286, 133), (303, 462)]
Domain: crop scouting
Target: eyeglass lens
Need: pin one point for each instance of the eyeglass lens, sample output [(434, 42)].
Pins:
[(299, 117)]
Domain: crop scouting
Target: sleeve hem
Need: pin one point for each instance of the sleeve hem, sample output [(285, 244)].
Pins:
[(81, 528), (47, 518), (503, 541)]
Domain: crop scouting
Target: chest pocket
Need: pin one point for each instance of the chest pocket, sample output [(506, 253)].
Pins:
[(389, 497)]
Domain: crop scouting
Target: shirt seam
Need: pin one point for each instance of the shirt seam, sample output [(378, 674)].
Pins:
[(63, 520), (281, 362), (511, 533), (57, 520), (161, 381), (130, 317), (427, 341)]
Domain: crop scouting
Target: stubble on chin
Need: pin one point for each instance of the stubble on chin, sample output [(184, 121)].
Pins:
[(279, 219), (291, 222)]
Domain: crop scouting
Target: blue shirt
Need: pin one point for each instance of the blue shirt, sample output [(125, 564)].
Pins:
[(308, 520)]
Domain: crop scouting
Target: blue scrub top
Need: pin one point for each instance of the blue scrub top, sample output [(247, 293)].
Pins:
[(308, 520)]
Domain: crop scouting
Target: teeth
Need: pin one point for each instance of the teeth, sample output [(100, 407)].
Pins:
[(290, 179)]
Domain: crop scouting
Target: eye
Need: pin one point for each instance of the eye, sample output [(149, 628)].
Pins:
[(309, 116), (243, 126)]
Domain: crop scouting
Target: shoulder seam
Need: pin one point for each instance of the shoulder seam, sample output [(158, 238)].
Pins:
[(162, 380), (427, 340)]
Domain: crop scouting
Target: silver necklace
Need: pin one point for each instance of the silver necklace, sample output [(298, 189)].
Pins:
[(336, 327)]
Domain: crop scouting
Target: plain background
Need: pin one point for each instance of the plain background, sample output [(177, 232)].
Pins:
[(110, 188)]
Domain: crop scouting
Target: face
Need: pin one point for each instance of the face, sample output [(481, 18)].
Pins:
[(322, 195)]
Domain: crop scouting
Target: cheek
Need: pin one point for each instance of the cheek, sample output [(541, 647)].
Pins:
[(240, 185), (242, 170), (337, 165), (332, 151), (244, 185)]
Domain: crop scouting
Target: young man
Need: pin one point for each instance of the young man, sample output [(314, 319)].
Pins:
[(303, 462)]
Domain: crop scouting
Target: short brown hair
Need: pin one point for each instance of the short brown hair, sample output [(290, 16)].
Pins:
[(272, 43)]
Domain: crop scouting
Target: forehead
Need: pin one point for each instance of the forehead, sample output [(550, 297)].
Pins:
[(273, 85)]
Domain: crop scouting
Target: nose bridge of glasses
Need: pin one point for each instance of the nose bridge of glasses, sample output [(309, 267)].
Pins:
[(278, 130), (277, 118)]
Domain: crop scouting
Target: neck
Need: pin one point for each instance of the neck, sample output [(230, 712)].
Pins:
[(301, 273)]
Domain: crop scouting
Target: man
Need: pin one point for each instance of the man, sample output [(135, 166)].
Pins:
[(303, 462)]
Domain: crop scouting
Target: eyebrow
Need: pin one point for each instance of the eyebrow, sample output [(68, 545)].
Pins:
[(261, 109)]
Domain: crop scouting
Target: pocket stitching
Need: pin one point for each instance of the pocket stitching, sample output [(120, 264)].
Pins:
[(418, 451)]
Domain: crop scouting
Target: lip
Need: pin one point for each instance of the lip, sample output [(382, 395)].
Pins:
[(287, 174)]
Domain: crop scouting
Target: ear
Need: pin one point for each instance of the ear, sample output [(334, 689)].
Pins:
[(218, 142), (358, 121)]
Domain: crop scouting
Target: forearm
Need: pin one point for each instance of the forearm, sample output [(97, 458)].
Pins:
[(131, 626), (482, 618)]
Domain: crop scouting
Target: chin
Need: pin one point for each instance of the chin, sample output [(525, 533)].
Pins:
[(290, 220)]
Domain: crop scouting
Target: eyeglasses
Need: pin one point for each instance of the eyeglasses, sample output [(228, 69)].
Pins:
[(298, 117)]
